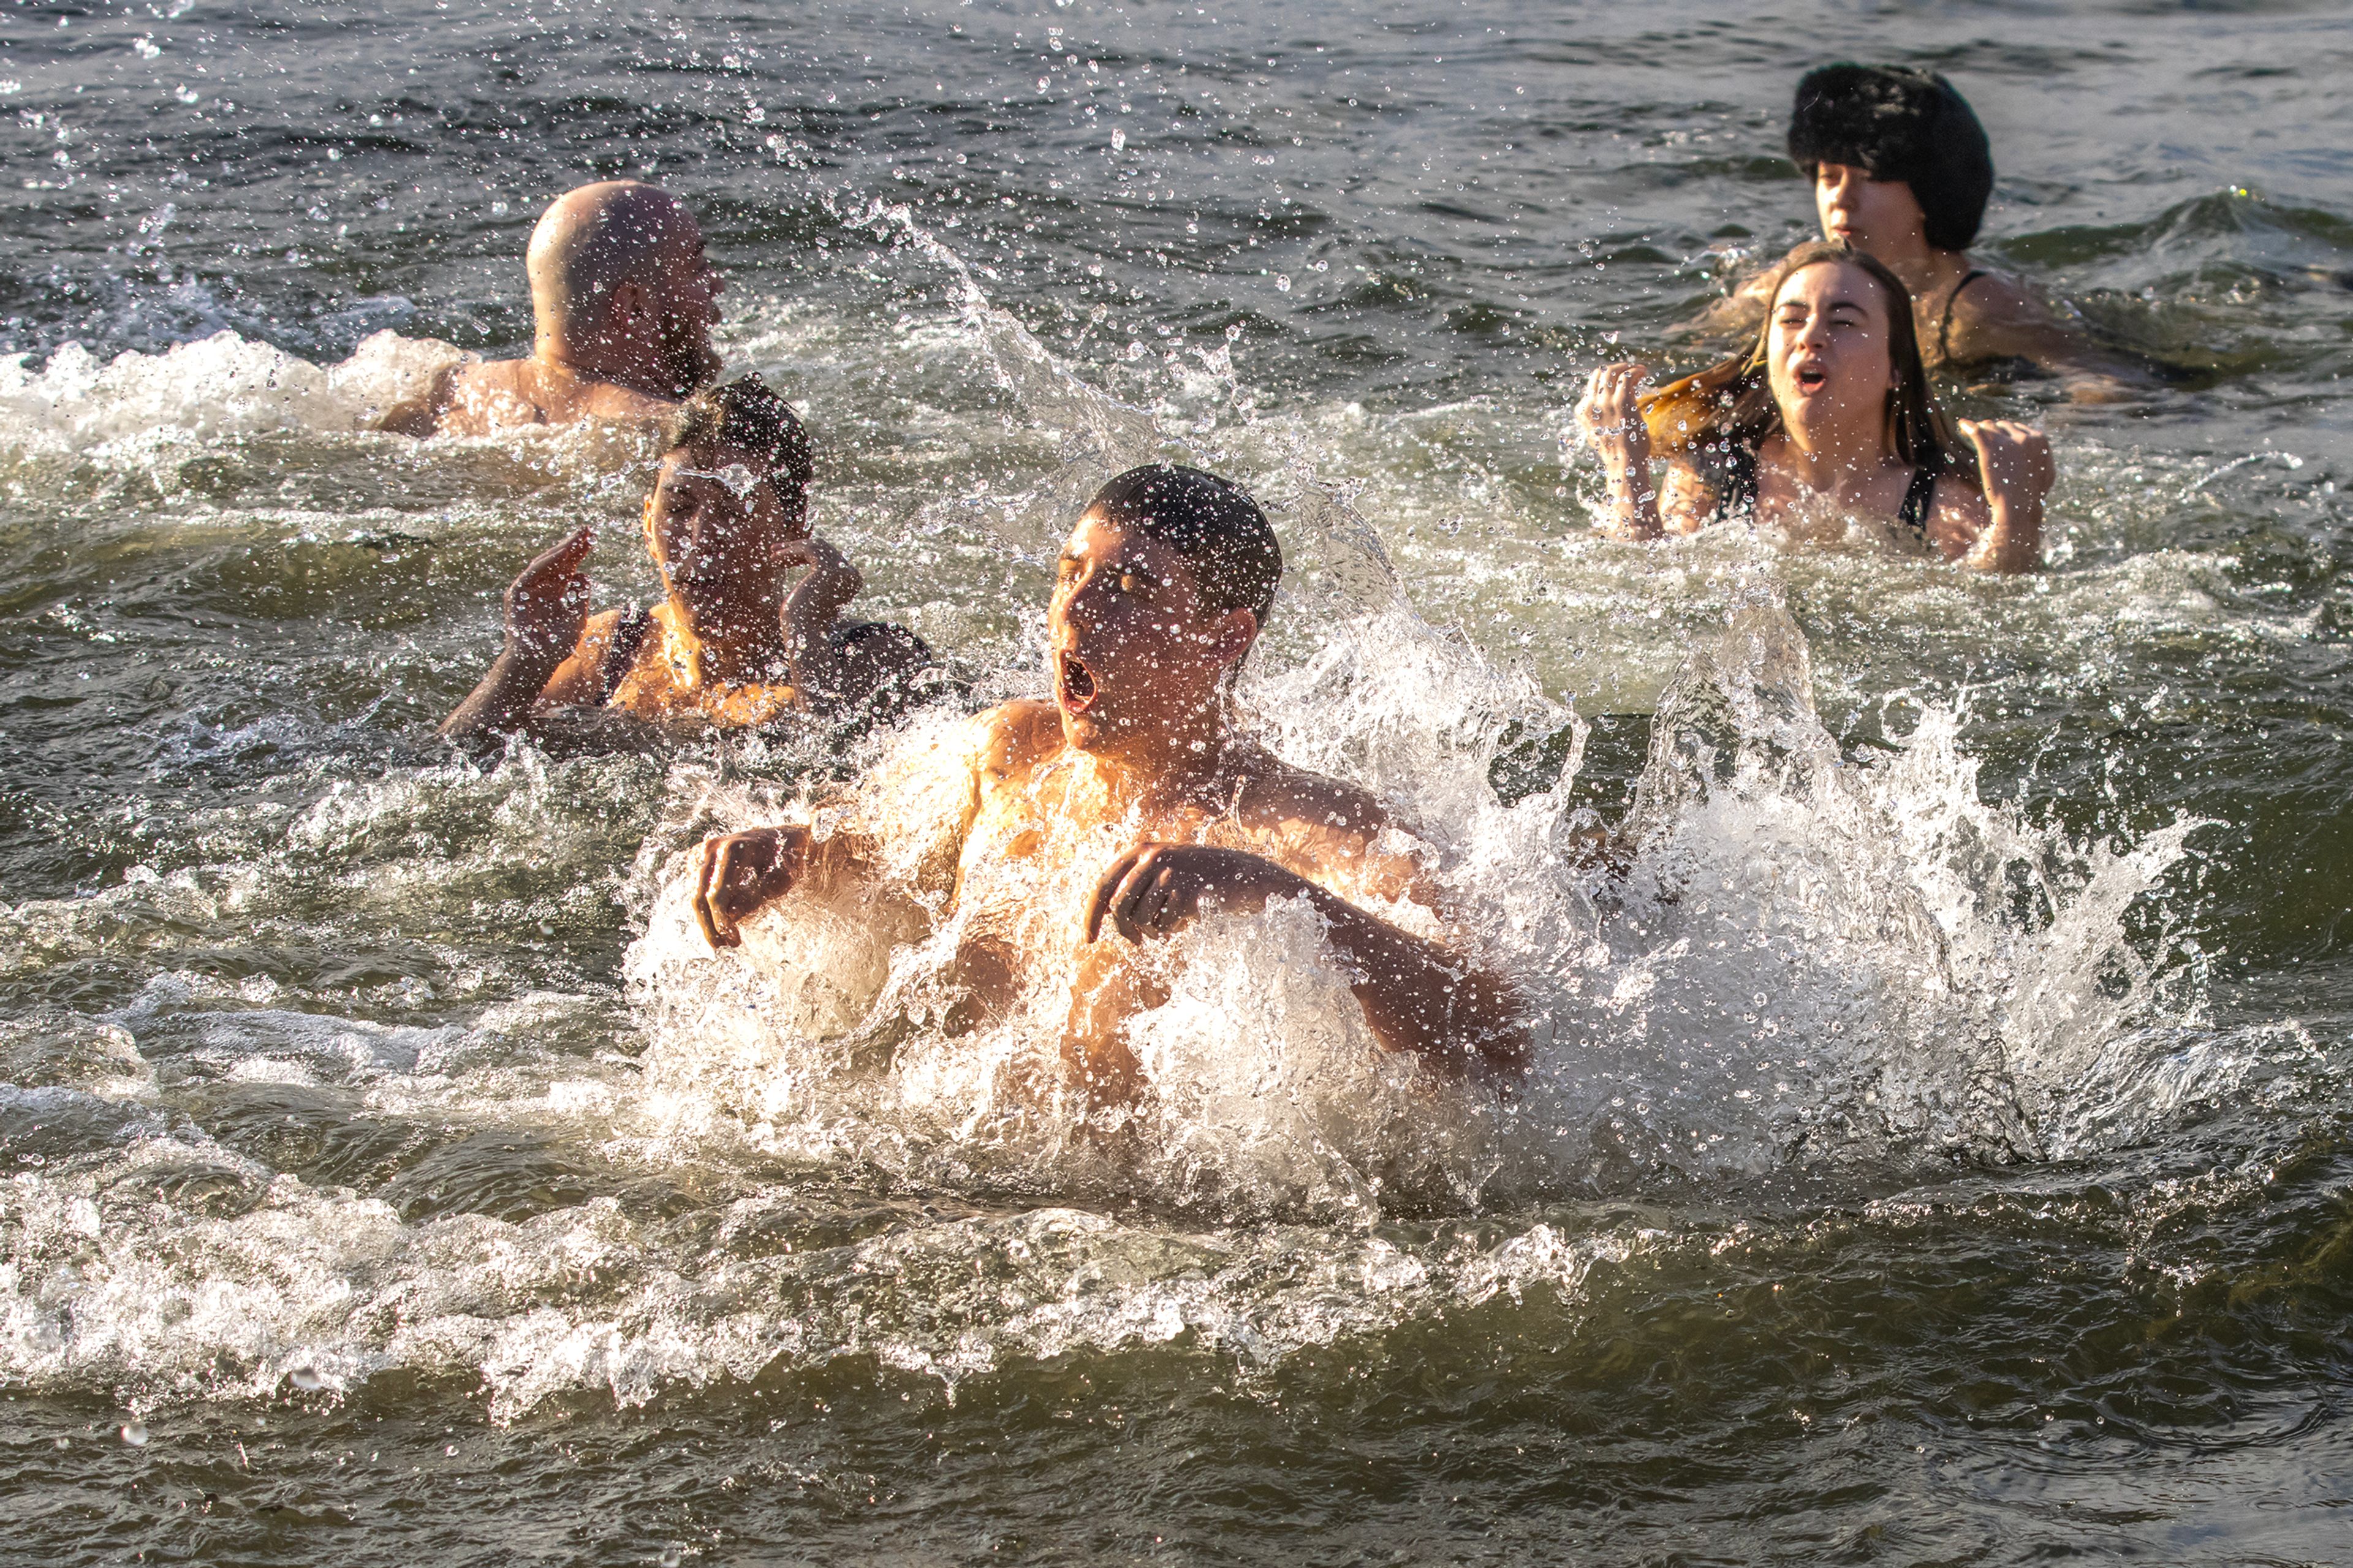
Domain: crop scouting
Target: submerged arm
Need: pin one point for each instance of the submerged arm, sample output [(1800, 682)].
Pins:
[(1998, 319)]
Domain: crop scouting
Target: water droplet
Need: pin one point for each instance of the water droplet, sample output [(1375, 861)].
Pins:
[(1282, 283), (307, 1378), (671, 1556), (134, 1432), (1119, 141)]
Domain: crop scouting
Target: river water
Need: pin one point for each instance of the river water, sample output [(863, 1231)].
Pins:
[(1940, 1149)]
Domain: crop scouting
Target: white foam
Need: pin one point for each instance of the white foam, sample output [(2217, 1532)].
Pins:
[(221, 386)]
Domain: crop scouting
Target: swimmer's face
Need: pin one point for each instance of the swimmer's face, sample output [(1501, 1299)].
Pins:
[(716, 527), (1879, 217), (1134, 650), (1828, 346)]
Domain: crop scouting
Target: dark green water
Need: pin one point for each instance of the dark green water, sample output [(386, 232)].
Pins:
[(1942, 1150)]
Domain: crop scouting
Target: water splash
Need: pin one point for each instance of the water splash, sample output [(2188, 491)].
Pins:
[(1809, 963)]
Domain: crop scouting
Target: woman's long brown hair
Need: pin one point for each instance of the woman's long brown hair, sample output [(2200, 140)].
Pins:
[(1730, 404)]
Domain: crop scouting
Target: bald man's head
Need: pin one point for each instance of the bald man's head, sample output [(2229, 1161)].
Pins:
[(621, 290)]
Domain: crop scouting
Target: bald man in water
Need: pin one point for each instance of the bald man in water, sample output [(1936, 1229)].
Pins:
[(622, 303)]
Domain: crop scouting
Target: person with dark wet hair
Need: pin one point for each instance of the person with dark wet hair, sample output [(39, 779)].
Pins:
[(1902, 169), (1077, 828), (622, 304), (1211, 523), (735, 642), (1825, 423)]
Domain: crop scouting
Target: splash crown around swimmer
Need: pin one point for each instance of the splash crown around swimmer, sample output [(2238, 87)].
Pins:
[(1065, 834)]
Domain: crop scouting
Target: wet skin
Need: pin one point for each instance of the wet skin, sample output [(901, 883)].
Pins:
[(1134, 743), (648, 346)]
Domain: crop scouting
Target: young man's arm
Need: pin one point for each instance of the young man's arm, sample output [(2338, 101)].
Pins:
[(810, 612), (925, 815), (1418, 994), (739, 874)]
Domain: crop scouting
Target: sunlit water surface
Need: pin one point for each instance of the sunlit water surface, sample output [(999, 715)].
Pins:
[(1938, 1147)]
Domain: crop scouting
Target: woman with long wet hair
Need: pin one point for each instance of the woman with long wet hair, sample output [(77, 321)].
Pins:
[(1827, 421)]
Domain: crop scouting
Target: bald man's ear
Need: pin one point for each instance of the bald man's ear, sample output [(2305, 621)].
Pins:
[(626, 305)]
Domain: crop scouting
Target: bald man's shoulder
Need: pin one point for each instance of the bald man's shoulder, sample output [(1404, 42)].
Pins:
[(491, 396)]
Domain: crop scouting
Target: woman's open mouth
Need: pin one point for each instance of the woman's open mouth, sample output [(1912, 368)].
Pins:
[(1811, 378), (1075, 681)]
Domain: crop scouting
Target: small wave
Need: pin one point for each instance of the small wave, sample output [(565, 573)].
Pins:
[(224, 385)]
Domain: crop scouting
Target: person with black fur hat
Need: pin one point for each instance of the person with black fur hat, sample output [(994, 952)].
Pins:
[(1902, 171)]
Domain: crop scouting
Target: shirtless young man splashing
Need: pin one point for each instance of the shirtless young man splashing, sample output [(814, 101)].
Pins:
[(1113, 814)]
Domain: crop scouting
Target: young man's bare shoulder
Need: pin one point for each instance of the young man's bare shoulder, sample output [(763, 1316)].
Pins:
[(1017, 734), (485, 398), (511, 376)]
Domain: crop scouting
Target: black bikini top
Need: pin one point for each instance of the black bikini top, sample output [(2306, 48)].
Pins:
[(1736, 495), (1945, 327), (621, 652)]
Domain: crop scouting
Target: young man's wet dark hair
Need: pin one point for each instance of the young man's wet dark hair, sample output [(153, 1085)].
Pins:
[(1897, 122), (747, 417), (1213, 524)]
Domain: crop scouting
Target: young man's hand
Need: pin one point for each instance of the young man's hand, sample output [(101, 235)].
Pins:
[(832, 581), (739, 873), (1155, 889)]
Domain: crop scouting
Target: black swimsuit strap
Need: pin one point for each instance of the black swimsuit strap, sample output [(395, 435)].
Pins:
[(1945, 327), (1917, 498), (621, 652)]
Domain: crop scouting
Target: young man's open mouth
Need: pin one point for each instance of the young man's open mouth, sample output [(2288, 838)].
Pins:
[(1074, 682)]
